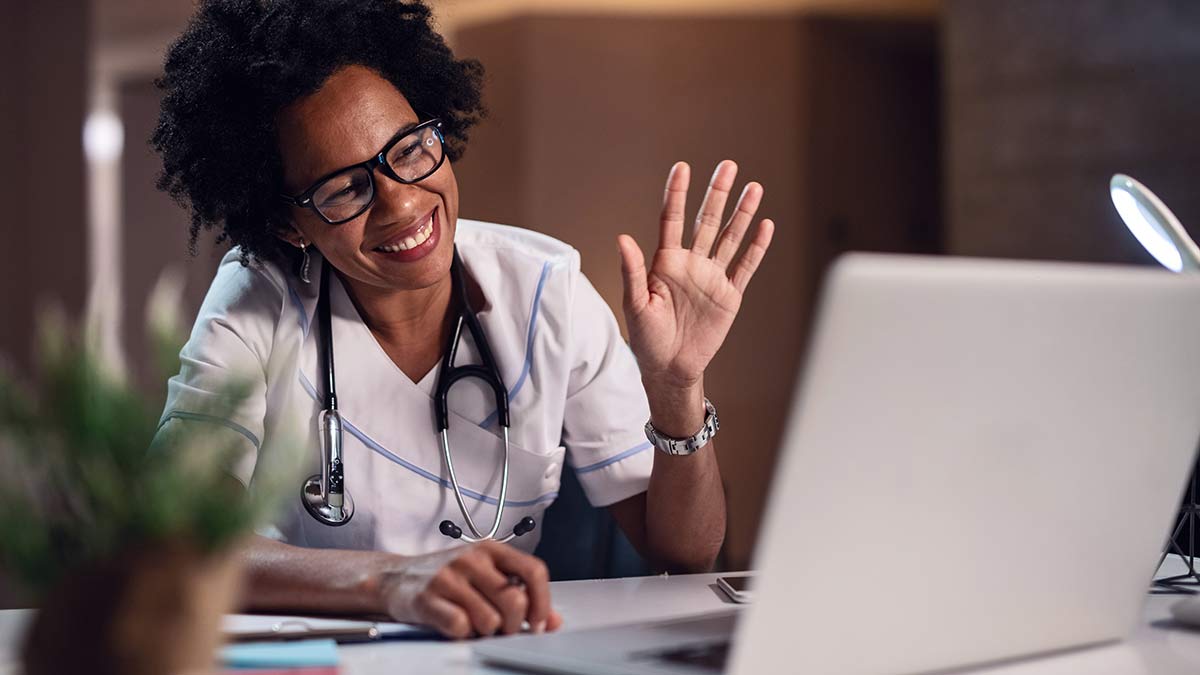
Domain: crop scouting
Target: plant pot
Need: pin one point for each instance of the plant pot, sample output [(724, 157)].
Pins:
[(152, 611)]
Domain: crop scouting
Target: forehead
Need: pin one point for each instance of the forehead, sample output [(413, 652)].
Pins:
[(346, 121)]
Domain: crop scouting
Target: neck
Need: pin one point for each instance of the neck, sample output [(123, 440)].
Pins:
[(404, 316)]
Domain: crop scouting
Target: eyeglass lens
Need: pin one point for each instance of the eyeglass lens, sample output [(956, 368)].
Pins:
[(347, 194)]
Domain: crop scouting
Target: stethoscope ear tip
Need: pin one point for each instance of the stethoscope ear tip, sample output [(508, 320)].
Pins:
[(450, 529), (523, 526)]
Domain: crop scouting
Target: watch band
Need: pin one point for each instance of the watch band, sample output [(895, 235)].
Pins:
[(689, 445)]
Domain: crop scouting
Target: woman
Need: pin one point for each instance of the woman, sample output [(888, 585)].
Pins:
[(319, 137)]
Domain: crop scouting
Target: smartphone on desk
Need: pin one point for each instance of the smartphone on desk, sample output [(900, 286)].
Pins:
[(739, 588)]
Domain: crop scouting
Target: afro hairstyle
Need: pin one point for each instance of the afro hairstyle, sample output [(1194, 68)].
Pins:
[(239, 62)]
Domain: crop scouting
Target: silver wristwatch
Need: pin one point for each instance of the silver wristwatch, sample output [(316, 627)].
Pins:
[(686, 446)]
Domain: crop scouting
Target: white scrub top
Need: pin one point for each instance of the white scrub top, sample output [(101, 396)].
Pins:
[(574, 388)]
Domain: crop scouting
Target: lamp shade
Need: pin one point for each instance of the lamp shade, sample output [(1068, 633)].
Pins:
[(1156, 228)]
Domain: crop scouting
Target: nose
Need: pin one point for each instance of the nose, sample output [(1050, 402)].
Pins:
[(395, 201)]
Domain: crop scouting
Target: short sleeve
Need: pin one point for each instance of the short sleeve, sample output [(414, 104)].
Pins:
[(606, 408), (229, 347)]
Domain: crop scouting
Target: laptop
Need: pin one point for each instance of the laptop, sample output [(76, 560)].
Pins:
[(982, 462)]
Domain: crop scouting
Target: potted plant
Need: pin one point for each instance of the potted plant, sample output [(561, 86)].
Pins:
[(130, 549)]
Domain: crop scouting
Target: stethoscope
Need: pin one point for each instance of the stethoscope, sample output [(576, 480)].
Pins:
[(324, 495)]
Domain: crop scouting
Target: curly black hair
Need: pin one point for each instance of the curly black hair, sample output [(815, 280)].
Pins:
[(240, 61)]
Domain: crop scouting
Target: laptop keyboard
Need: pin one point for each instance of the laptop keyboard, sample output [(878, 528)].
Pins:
[(707, 655)]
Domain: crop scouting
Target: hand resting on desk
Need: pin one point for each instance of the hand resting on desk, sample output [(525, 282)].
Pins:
[(461, 592), (470, 591)]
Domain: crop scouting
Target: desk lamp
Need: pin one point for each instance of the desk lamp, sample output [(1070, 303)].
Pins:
[(1160, 233)]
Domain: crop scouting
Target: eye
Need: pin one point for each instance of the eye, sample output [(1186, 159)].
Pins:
[(410, 148), (340, 191), (348, 192)]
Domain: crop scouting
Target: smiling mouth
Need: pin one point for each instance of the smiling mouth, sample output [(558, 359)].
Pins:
[(422, 234)]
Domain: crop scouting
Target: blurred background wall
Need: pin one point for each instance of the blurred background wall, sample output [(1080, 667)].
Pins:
[(976, 127), (44, 257), (1045, 100)]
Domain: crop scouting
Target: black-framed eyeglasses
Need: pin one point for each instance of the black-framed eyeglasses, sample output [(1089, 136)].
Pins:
[(346, 193)]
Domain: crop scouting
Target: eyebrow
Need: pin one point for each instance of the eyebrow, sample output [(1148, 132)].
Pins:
[(401, 132)]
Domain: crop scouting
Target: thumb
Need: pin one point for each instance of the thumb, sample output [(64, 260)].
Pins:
[(633, 272)]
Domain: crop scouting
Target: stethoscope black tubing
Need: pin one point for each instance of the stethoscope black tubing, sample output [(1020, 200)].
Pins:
[(327, 339), (487, 371)]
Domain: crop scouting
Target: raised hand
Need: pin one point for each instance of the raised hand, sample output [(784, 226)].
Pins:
[(680, 310)]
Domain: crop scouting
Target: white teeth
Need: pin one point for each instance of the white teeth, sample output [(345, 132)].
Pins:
[(419, 238)]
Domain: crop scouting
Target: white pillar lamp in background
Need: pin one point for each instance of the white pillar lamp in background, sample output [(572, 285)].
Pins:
[(1160, 232)]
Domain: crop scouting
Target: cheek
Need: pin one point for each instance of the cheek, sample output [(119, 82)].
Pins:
[(450, 216), (448, 186), (338, 241)]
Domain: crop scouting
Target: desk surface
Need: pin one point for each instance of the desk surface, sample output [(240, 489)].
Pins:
[(1154, 648)]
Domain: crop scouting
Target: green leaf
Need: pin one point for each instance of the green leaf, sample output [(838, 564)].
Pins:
[(80, 481)]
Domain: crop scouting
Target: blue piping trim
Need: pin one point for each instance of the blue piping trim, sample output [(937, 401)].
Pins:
[(200, 417), (370, 443), (529, 334), (312, 391), (373, 445), (614, 459), (304, 323)]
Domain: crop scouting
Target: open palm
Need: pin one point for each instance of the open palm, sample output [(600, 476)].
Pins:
[(680, 310)]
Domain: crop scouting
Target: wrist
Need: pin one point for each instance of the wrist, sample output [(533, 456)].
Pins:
[(676, 411), (381, 582)]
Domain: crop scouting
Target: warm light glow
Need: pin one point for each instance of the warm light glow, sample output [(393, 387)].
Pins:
[(457, 14), (1145, 226)]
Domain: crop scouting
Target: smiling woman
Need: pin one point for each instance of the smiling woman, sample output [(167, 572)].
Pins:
[(258, 57), (322, 140), (319, 138)]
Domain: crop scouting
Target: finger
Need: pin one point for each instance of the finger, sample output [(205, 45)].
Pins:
[(513, 603), (507, 597), (670, 234), (752, 256), (485, 618), (537, 582), (633, 271), (555, 621), (731, 238), (446, 617), (708, 220)]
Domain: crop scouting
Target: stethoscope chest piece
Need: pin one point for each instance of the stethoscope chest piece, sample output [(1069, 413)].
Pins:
[(328, 513)]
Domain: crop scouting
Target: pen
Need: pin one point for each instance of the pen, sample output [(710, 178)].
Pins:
[(280, 632)]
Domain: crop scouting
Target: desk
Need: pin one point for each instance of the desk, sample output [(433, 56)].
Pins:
[(1153, 649)]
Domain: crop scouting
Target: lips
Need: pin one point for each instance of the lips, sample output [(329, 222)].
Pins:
[(414, 242)]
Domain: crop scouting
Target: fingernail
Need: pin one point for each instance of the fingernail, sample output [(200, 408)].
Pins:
[(539, 627)]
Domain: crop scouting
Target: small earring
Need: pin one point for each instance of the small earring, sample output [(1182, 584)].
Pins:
[(305, 260)]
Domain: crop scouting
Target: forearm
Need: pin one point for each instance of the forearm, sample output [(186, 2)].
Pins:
[(290, 579), (685, 503), (461, 591)]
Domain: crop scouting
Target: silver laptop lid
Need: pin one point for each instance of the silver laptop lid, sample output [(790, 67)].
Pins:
[(982, 460)]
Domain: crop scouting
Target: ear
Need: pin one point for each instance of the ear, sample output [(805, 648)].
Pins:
[(280, 221), (292, 235)]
